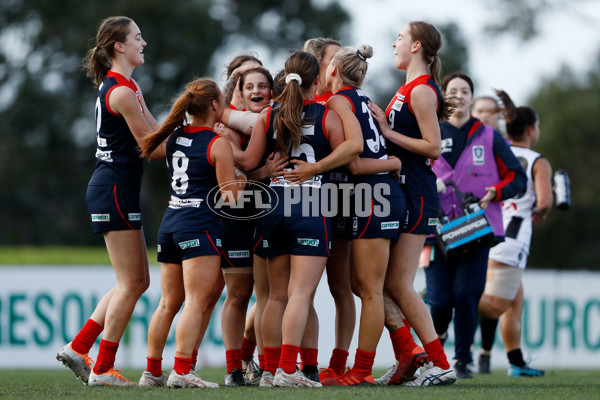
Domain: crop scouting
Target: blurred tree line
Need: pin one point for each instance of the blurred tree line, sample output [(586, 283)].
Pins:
[(47, 120)]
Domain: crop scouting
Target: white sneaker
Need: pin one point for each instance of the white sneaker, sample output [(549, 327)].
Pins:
[(110, 378), (433, 376), (266, 380), (189, 380), (150, 380), (80, 364), (385, 378), (290, 380)]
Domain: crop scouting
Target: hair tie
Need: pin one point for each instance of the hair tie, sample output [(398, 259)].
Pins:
[(293, 77), (358, 53)]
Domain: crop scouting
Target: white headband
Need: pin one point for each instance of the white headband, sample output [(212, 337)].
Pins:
[(293, 77)]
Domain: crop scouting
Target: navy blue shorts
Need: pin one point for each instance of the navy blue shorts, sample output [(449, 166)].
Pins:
[(295, 235), (173, 248), (114, 207), (238, 242), (421, 214), (383, 216)]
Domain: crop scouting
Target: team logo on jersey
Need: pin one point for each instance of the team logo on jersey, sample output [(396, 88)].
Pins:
[(478, 155), (105, 156), (308, 242), (135, 216), (390, 225), (238, 253), (100, 217), (189, 243), (182, 141)]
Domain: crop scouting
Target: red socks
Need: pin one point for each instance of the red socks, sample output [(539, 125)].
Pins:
[(234, 359), (86, 337), (402, 341), (309, 356), (247, 349), (289, 356), (183, 366), (435, 354), (154, 366), (338, 360), (261, 361), (363, 363), (272, 355), (194, 358), (106, 356)]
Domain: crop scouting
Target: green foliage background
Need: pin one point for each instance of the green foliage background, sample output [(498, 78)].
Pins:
[(47, 130)]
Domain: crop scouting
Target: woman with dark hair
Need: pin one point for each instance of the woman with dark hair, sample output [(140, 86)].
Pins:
[(503, 294), (113, 195), (477, 160), (410, 125)]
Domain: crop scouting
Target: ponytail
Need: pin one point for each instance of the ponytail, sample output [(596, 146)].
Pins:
[(518, 119), (195, 101), (301, 70), (98, 60)]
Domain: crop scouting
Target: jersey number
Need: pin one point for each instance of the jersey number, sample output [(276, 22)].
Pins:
[(180, 164), (378, 140)]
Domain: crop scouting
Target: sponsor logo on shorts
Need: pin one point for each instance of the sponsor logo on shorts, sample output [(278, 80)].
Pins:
[(390, 225), (135, 216), (433, 221), (158, 248), (238, 253), (308, 242), (265, 243), (100, 217), (218, 242), (182, 141), (189, 243)]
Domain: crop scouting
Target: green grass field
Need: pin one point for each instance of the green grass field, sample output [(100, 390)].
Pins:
[(58, 255), (61, 384)]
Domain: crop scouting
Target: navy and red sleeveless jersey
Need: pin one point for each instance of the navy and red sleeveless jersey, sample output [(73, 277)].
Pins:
[(314, 144), (192, 176), (420, 179), (373, 140), (117, 156)]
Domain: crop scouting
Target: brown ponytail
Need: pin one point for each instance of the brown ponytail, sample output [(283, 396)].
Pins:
[(518, 119), (288, 121), (195, 100), (431, 43), (98, 60)]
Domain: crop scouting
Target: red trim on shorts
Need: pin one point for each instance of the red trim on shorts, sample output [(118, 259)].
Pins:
[(119, 208), (368, 221), (420, 216), (257, 243), (208, 150), (326, 239), (224, 256), (211, 242)]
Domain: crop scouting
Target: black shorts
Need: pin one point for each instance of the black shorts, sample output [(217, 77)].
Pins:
[(114, 207), (174, 248), (421, 215), (238, 242)]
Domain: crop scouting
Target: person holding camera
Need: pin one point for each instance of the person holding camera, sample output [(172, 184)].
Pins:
[(478, 160)]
